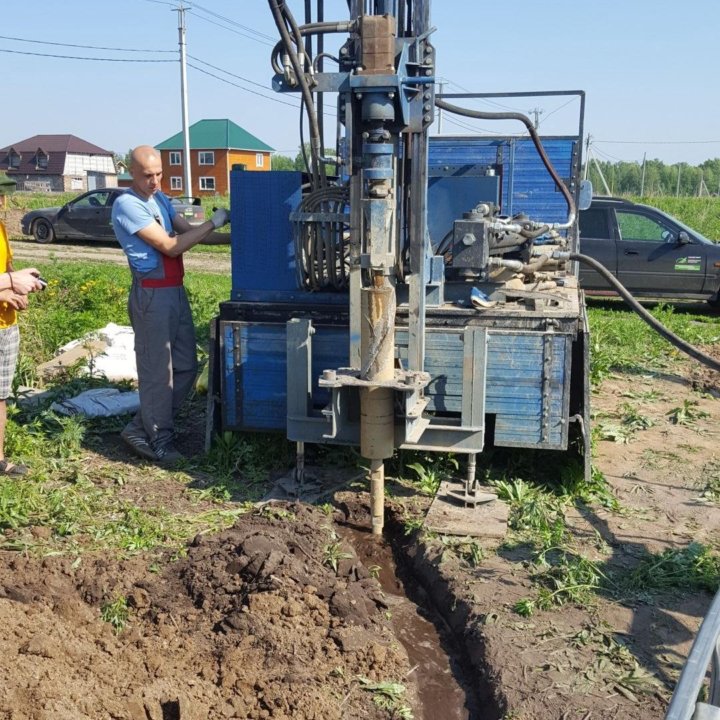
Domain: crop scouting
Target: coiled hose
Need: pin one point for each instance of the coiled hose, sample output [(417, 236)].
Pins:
[(655, 324)]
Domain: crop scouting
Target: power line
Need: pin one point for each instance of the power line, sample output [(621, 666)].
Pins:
[(657, 142), (254, 92), (237, 32), (86, 47), (74, 57), (272, 38), (227, 72)]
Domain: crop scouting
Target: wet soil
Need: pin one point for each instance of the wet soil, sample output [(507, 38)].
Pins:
[(266, 620)]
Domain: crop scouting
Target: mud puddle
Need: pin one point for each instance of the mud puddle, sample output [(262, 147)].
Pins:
[(440, 676)]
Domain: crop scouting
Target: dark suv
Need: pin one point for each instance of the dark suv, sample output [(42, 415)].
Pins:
[(651, 253)]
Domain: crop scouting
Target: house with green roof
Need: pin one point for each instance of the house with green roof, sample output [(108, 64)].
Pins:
[(215, 146)]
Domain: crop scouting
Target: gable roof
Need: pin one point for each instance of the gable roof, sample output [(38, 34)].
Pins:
[(56, 143), (55, 147), (216, 135)]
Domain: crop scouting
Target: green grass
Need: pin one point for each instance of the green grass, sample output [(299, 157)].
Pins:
[(82, 297), (700, 213), (621, 341)]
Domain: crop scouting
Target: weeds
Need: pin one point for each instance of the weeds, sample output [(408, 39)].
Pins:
[(564, 577), (388, 696), (431, 470), (117, 613), (614, 664), (333, 554), (695, 567), (687, 414), (534, 513), (711, 475), (463, 547)]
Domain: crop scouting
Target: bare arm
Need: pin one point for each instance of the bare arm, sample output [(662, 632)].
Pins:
[(173, 245), (22, 281)]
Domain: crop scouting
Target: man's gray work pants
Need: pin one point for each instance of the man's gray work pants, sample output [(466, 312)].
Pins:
[(165, 354)]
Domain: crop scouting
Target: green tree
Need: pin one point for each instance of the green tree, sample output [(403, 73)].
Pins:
[(282, 162)]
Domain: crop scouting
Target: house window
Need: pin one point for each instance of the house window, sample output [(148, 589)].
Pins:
[(259, 160), (13, 159), (176, 183), (207, 183), (206, 158), (175, 157), (41, 160)]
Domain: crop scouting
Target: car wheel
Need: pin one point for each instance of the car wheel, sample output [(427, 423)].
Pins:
[(714, 301), (43, 231)]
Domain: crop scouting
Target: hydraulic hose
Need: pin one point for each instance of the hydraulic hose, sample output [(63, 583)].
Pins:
[(655, 324), (525, 120)]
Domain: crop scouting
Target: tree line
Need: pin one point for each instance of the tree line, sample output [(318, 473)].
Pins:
[(654, 178), (651, 178)]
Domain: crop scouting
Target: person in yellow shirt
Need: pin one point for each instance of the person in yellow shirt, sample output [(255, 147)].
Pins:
[(15, 286)]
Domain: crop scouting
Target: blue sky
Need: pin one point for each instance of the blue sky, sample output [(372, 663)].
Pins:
[(647, 66)]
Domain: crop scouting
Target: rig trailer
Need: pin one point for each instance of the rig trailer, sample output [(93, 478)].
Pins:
[(407, 291)]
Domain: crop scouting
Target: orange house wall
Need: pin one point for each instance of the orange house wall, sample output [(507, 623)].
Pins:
[(224, 160)]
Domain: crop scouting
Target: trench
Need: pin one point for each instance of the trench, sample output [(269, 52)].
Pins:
[(440, 669)]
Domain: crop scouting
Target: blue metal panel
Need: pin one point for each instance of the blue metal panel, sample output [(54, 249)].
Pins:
[(513, 383), (526, 184), (255, 372), (263, 256)]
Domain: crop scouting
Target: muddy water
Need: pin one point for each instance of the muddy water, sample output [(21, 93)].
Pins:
[(437, 675)]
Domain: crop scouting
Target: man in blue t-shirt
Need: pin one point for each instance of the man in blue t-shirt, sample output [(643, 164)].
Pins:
[(154, 237)]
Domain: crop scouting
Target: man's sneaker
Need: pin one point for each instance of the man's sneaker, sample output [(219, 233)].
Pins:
[(167, 454), (139, 444)]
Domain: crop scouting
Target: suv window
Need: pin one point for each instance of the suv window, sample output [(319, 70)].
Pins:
[(634, 226), (594, 223)]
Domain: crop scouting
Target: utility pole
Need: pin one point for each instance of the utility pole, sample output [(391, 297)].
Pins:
[(187, 175), (642, 179), (677, 187), (536, 111), (587, 157)]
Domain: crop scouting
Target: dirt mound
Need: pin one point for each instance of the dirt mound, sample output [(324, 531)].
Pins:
[(273, 618)]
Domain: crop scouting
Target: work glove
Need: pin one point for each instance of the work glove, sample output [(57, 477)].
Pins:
[(220, 217)]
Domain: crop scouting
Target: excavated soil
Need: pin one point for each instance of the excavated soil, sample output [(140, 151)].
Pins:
[(251, 624), (255, 622)]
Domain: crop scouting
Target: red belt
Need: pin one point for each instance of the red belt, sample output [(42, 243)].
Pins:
[(173, 273)]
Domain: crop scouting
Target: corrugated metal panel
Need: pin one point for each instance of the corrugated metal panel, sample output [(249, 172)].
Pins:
[(255, 372), (255, 378), (526, 184), (263, 255)]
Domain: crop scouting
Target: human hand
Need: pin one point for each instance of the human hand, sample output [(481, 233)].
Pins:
[(220, 217), (19, 302), (25, 281)]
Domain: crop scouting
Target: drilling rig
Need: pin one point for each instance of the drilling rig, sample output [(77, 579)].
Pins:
[(404, 291)]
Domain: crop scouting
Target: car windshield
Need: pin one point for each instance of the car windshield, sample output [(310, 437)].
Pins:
[(691, 231)]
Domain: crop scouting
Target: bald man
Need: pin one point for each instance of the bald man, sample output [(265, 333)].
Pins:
[(154, 238)]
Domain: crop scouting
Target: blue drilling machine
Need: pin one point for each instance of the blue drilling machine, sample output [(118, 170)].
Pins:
[(405, 291)]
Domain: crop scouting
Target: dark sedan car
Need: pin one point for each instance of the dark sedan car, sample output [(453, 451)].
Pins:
[(88, 216), (650, 252)]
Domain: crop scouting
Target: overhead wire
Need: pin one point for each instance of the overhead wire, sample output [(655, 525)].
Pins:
[(86, 47), (226, 19), (253, 92), (75, 57), (225, 27)]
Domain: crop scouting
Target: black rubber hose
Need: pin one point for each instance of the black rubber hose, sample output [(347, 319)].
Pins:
[(655, 324)]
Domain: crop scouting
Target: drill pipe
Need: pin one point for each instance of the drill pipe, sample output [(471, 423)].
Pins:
[(377, 427)]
